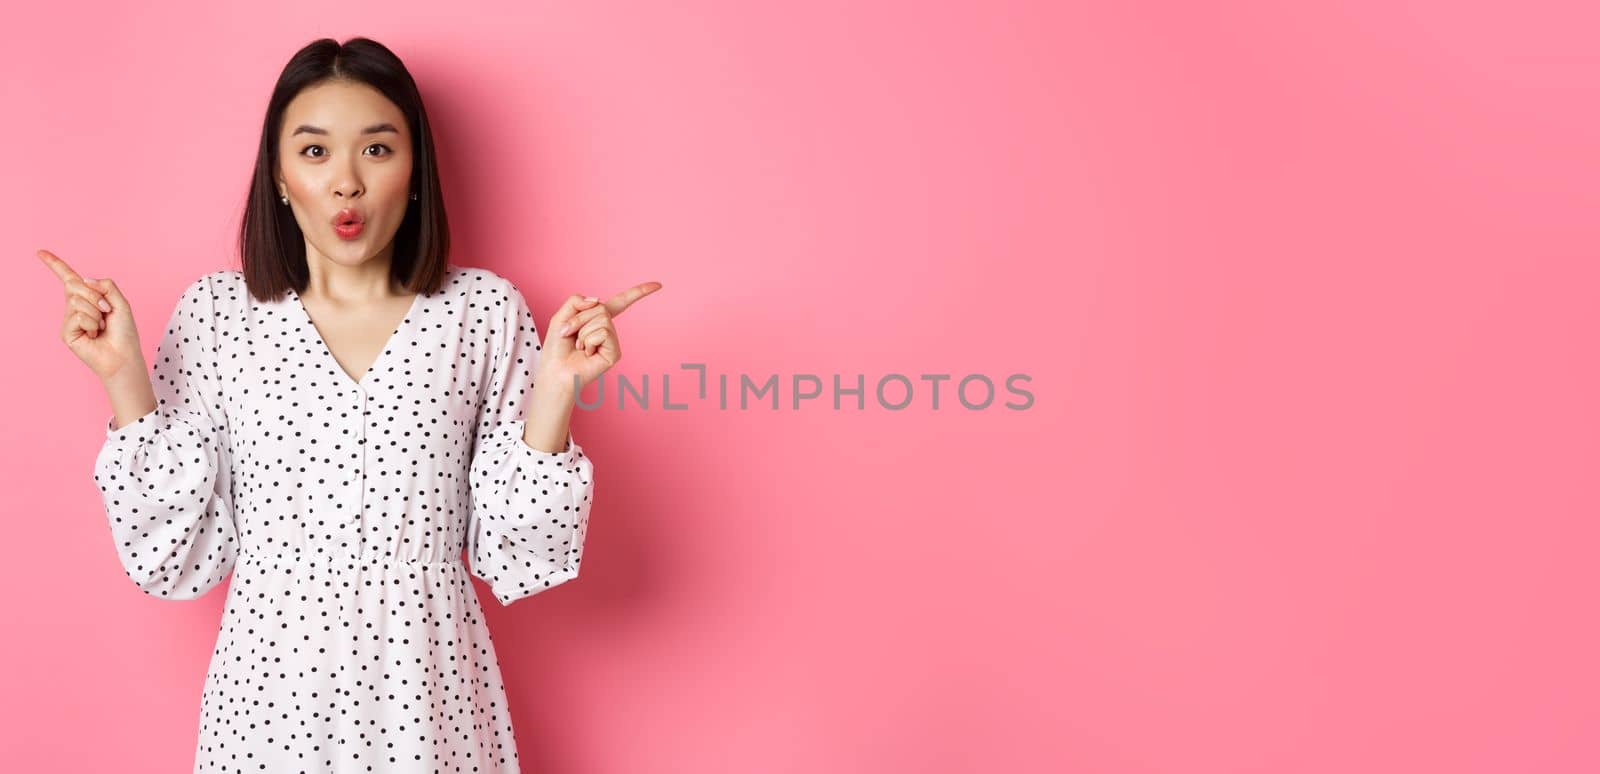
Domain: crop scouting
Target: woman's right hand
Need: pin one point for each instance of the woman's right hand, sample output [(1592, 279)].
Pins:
[(97, 324)]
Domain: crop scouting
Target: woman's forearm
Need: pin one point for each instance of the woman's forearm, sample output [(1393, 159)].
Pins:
[(130, 392), (549, 416)]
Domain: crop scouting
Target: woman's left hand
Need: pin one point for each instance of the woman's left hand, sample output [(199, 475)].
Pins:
[(581, 340)]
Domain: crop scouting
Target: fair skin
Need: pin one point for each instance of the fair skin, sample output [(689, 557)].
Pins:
[(349, 295)]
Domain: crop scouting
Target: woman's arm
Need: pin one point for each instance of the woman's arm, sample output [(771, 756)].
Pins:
[(164, 469), (549, 416), (529, 506), (130, 392)]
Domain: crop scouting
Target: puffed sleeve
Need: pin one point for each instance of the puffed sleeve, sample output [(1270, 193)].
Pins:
[(165, 477), (530, 508)]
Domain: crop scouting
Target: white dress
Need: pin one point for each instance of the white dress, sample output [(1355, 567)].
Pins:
[(352, 639)]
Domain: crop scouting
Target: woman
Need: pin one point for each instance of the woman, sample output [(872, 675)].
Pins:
[(334, 424)]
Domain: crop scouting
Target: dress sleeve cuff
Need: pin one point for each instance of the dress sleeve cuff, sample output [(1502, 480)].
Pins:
[(511, 433), (138, 432)]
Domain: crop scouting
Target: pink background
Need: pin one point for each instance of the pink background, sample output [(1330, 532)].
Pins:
[(1308, 298)]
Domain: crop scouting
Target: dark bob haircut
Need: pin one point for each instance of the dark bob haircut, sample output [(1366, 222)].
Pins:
[(272, 249)]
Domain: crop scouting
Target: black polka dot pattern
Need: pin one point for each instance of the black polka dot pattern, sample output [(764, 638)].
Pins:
[(352, 638)]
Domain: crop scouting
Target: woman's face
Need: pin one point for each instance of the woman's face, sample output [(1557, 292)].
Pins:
[(345, 152)]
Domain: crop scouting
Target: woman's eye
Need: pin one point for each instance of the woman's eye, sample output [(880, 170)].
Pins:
[(306, 150)]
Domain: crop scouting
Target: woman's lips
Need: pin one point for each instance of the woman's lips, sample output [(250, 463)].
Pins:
[(348, 222)]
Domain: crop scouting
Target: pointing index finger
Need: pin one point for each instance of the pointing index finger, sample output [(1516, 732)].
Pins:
[(625, 299), (60, 267)]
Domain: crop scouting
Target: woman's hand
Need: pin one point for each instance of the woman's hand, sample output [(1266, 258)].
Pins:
[(97, 323), (581, 340)]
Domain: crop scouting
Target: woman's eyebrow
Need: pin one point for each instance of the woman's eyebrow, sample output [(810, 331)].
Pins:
[(374, 129)]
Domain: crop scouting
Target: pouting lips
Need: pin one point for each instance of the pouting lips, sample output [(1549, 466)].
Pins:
[(347, 217)]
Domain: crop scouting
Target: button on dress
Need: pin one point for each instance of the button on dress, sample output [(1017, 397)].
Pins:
[(352, 638)]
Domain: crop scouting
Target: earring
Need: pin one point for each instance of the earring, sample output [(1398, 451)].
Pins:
[(413, 196), (283, 199)]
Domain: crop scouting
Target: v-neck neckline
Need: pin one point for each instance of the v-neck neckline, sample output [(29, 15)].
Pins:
[(388, 344)]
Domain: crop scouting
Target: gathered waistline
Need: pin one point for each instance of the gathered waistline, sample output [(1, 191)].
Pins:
[(349, 561)]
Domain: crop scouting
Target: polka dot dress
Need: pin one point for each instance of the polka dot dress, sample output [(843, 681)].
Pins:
[(352, 638)]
